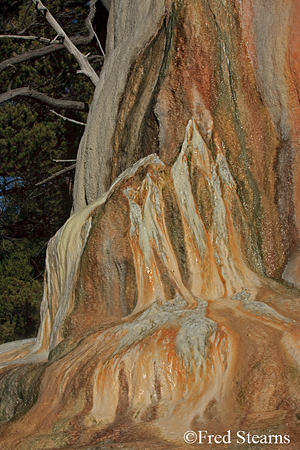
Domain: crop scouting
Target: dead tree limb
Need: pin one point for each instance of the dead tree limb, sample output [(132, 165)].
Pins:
[(44, 51), (68, 118), (63, 160), (25, 38), (57, 174), (82, 60), (45, 99), (89, 23)]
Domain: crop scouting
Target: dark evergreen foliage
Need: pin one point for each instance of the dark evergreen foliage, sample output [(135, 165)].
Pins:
[(31, 137)]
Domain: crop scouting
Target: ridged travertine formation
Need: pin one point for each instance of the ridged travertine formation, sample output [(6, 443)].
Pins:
[(234, 67), (170, 324), (166, 306)]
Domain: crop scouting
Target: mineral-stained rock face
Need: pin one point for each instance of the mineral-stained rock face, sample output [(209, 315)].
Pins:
[(232, 66), (160, 314), (152, 316)]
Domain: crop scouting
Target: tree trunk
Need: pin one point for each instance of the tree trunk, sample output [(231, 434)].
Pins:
[(171, 293)]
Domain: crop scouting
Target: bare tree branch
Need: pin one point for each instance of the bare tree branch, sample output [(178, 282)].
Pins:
[(26, 38), (27, 28), (55, 175), (67, 118), (63, 160), (82, 60), (45, 99), (34, 54), (90, 26)]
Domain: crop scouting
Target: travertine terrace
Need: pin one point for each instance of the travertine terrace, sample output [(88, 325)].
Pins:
[(171, 296)]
